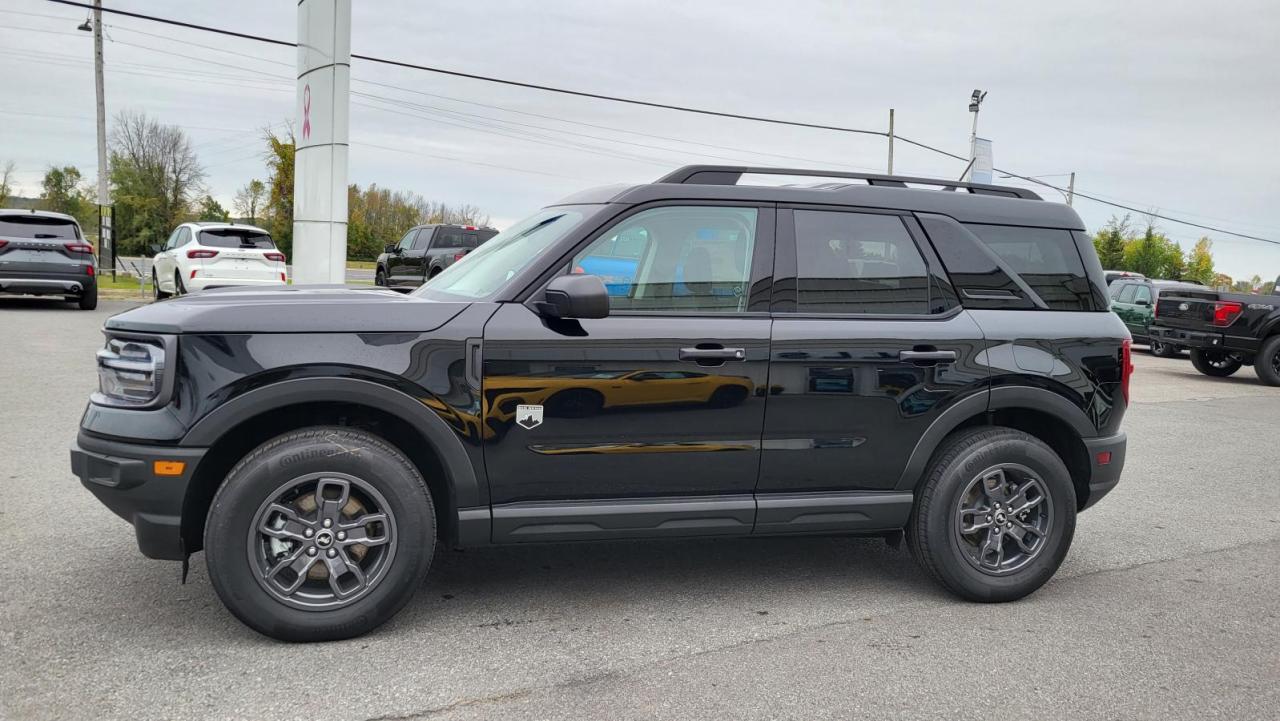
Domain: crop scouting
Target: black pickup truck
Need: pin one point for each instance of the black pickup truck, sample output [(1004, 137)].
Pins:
[(1223, 330), (425, 251)]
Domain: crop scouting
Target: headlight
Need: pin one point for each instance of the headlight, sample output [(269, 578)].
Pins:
[(132, 372)]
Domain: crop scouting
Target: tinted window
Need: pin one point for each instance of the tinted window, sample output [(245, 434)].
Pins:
[(35, 226), (675, 258), (1143, 293), (1127, 292), (407, 241), (858, 263), (235, 238), (455, 238), (1046, 259), (974, 269)]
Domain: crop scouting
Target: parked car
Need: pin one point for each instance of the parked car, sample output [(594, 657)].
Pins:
[(198, 256), (1114, 275), (43, 253), (1223, 330), (939, 364), (425, 251), (1134, 300)]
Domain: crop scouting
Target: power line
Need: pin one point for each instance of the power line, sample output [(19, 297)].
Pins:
[(653, 104)]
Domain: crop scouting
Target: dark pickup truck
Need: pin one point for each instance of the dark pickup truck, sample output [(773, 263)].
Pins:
[(1223, 330), (425, 251)]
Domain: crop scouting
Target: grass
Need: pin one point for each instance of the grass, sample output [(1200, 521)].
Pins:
[(362, 264)]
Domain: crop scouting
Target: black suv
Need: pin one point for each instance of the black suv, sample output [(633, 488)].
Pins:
[(44, 253), (692, 357), (425, 251)]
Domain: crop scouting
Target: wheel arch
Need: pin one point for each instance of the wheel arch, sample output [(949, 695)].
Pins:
[(244, 423), (1053, 419)]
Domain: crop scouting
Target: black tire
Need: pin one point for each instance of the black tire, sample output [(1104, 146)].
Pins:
[(89, 298), (934, 534), (155, 288), (1160, 349), (1216, 363), (178, 287), (232, 536), (380, 278), (575, 403), (1267, 363), (434, 272), (726, 396)]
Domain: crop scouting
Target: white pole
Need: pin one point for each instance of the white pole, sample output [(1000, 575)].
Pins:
[(890, 141), (320, 162), (100, 90), (1071, 188)]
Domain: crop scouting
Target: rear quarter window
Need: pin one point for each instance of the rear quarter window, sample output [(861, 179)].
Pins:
[(37, 226), (1046, 259)]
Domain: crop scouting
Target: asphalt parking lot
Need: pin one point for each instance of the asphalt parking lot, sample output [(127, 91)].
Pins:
[(1166, 607)]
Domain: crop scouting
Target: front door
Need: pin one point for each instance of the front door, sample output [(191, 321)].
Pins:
[(646, 422), (1125, 306), (869, 345), (398, 261)]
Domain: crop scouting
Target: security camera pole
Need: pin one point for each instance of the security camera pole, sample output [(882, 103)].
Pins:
[(975, 102)]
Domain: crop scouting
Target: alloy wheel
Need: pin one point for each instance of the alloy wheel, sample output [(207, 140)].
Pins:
[(1003, 518), (322, 541)]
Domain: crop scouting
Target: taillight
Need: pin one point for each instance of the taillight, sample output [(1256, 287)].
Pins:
[(88, 269), (1155, 309), (277, 257), (1126, 367), (3, 243), (194, 271), (458, 256), (78, 247), (1225, 312), (469, 227), (282, 278), (202, 253)]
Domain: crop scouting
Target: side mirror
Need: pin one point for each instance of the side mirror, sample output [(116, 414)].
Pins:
[(1142, 302), (575, 296), (156, 249), (389, 249)]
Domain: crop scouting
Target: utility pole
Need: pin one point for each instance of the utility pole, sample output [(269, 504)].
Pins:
[(104, 224), (1071, 188), (890, 141), (975, 102)]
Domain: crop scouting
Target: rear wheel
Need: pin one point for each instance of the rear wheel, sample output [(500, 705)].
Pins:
[(320, 534), (1216, 363), (434, 272), (89, 298), (995, 515), (178, 287), (1267, 364), (1164, 350)]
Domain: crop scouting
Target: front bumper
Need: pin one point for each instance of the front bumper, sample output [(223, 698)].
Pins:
[(121, 476), (1104, 476)]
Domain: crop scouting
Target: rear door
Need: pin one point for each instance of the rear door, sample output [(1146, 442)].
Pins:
[(646, 422), (1124, 307), (869, 345)]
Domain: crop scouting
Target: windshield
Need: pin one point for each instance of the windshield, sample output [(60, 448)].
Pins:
[(235, 238), (484, 270), (37, 226)]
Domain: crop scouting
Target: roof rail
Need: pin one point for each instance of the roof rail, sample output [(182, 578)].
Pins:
[(731, 174)]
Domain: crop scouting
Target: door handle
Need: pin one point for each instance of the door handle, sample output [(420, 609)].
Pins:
[(927, 357), (713, 354)]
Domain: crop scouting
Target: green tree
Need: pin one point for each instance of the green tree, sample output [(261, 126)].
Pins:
[(249, 199), (154, 176), (62, 191), (1153, 255), (6, 183), (209, 209), (1109, 242), (1200, 263), (278, 211)]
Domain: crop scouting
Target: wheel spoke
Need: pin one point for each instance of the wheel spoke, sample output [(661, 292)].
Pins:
[(991, 553), (284, 523), (993, 485), (1026, 536), (331, 495), (1028, 496), (357, 531), (974, 519), (345, 577), (299, 562)]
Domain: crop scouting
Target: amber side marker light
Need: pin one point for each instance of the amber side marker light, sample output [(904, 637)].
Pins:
[(168, 468)]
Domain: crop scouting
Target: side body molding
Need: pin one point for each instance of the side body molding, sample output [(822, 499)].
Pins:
[(1029, 397), (444, 441)]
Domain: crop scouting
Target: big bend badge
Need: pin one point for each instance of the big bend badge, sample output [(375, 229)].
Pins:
[(529, 417)]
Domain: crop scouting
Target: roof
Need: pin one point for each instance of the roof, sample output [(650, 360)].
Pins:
[(996, 205), (217, 224)]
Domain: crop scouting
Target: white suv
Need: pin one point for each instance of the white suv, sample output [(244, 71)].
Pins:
[(211, 255)]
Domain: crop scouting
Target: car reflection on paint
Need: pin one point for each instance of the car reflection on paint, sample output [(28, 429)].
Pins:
[(584, 394)]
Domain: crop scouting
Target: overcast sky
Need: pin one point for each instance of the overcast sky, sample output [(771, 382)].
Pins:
[(1161, 104)]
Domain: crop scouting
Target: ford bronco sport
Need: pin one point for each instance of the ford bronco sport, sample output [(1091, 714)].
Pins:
[(691, 357)]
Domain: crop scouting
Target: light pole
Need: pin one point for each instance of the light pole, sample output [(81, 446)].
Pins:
[(104, 234), (975, 102)]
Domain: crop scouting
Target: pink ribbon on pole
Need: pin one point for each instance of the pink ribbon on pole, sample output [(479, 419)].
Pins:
[(306, 111)]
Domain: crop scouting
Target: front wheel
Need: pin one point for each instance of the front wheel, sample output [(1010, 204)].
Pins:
[(1216, 363), (1267, 364), (320, 534), (995, 515), (380, 278)]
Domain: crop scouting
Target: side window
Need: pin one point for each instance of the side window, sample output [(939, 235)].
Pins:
[(184, 237), (858, 263), (172, 242), (422, 240), (1143, 294), (1127, 293), (1113, 290), (1046, 259), (453, 239), (676, 258), (407, 241)]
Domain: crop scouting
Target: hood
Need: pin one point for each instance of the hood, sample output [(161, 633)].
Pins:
[(289, 309)]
